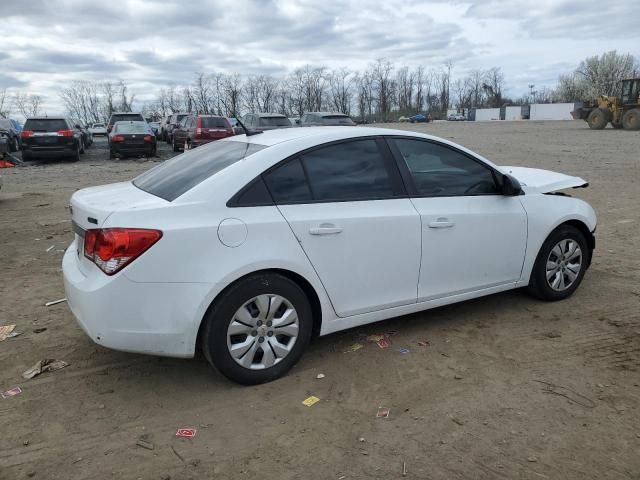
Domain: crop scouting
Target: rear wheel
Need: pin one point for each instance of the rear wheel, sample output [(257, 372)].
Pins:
[(631, 119), (598, 119), (257, 329), (13, 146), (560, 264), (76, 156)]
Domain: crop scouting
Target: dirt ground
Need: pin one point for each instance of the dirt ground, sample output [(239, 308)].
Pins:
[(508, 388)]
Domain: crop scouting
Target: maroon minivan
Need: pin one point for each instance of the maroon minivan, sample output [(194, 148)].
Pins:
[(196, 130)]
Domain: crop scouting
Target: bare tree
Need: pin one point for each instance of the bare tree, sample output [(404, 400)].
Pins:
[(384, 86), (493, 86), (27, 104), (232, 94), (474, 83), (340, 90), (5, 103), (419, 77), (405, 81)]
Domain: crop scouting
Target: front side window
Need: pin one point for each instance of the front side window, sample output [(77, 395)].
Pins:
[(440, 171)]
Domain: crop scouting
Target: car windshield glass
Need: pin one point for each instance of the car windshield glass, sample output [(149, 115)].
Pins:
[(6, 124), (125, 117), (337, 120), (179, 117), (174, 177), (45, 125), (98, 125), (213, 122), (274, 122), (131, 128)]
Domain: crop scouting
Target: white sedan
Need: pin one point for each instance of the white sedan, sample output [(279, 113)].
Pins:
[(98, 129), (249, 246)]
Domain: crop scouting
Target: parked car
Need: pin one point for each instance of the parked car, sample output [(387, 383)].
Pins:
[(262, 122), (123, 117), (87, 138), (97, 129), (419, 118), (12, 134), (50, 137), (132, 139), (456, 117), (174, 121), (196, 130), (403, 119), (248, 245), (323, 119)]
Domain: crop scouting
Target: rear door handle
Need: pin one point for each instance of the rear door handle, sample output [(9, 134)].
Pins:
[(441, 223), (325, 229)]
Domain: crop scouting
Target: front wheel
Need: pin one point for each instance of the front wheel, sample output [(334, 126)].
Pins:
[(631, 119), (560, 264), (258, 329), (598, 119)]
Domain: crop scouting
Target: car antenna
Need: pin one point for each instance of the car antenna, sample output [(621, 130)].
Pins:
[(246, 131)]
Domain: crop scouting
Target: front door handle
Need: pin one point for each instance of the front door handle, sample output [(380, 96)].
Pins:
[(441, 223), (325, 229)]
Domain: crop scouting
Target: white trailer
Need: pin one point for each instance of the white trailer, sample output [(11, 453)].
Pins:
[(551, 111), (485, 114), (513, 113)]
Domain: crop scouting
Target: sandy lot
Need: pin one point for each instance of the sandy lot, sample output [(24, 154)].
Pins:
[(472, 405)]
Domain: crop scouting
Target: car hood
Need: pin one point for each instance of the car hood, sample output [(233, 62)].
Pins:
[(536, 180)]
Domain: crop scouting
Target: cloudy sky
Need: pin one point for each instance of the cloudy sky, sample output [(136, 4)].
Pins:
[(48, 43)]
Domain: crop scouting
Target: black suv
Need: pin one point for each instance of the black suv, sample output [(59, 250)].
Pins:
[(48, 137), (12, 134), (325, 119), (123, 117)]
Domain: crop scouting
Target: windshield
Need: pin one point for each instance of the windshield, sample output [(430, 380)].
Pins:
[(274, 122), (337, 120), (98, 125), (45, 125), (131, 127), (174, 177), (214, 122), (126, 116)]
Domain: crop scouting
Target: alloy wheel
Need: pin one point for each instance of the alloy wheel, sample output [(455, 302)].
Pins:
[(563, 264), (263, 332)]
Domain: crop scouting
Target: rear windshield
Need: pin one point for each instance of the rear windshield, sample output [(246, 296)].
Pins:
[(97, 125), (337, 120), (45, 125), (131, 128), (6, 124), (126, 116), (214, 122), (274, 122), (177, 118), (174, 177)]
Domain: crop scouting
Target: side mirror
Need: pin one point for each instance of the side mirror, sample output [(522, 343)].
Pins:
[(511, 186)]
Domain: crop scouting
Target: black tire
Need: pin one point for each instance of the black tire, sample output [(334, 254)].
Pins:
[(221, 313), (111, 155), (631, 119), (26, 156), (174, 146), (598, 119), (76, 156), (538, 285), (13, 146)]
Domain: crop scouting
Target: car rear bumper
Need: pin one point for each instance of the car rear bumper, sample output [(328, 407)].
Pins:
[(142, 149), (118, 313), (50, 152)]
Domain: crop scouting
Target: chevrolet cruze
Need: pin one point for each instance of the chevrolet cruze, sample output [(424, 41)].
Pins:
[(249, 246)]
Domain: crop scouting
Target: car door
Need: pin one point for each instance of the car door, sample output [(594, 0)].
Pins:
[(180, 132), (346, 205), (473, 237)]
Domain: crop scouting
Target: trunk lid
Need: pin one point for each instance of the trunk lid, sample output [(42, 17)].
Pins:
[(535, 180)]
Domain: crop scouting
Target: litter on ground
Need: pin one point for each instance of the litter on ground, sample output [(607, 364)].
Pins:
[(404, 350), (384, 343), (186, 432), (424, 343), (354, 348), (5, 330), (55, 302), (312, 400), (383, 412), (11, 393), (47, 365)]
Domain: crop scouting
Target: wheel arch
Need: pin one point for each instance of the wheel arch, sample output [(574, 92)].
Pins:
[(588, 235), (303, 283)]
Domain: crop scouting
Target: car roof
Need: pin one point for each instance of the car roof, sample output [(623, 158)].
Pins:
[(126, 113), (263, 115), (328, 113)]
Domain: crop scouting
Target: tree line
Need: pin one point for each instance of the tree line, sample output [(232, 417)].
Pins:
[(383, 91)]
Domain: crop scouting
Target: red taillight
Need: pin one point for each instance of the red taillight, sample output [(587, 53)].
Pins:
[(111, 249), (198, 132), (65, 133), (26, 134), (147, 138), (117, 138)]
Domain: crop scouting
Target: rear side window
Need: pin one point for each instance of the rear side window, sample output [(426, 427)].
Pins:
[(214, 122), (288, 184), (46, 125), (174, 177), (440, 171)]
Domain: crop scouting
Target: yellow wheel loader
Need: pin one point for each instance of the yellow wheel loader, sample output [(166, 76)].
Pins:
[(622, 112)]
